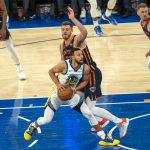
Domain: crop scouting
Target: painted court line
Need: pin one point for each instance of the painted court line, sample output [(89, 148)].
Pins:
[(38, 130), (105, 94), (24, 118), (33, 143), (126, 147), (120, 103), (111, 131)]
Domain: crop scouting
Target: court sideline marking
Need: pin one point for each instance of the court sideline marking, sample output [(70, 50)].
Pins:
[(98, 104)]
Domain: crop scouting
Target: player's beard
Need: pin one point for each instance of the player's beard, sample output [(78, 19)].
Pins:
[(79, 62)]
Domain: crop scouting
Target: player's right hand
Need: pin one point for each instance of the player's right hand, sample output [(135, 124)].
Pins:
[(70, 13), (60, 87)]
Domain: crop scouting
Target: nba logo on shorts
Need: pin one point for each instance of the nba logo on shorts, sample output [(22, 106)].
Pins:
[(93, 89)]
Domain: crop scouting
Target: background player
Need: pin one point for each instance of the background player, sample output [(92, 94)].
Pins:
[(5, 36), (106, 16)]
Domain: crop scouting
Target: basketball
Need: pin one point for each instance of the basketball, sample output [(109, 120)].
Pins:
[(66, 94)]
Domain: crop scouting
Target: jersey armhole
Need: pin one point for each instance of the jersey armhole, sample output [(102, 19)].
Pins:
[(66, 68)]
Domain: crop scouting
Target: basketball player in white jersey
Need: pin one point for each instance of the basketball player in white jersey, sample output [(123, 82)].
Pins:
[(106, 16), (72, 70), (5, 36)]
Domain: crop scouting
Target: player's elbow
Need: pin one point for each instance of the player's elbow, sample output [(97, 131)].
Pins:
[(50, 71), (85, 33)]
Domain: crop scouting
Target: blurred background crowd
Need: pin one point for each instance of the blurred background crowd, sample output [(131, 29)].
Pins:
[(29, 9)]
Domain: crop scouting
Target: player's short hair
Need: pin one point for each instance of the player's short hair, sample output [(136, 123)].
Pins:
[(65, 23), (74, 50), (142, 5)]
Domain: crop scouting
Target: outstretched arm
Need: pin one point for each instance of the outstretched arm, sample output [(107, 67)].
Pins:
[(3, 15), (83, 32)]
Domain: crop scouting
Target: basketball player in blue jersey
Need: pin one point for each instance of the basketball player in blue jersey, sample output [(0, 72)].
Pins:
[(106, 16), (93, 88), (142, 11), (5, 36), (71, 70)]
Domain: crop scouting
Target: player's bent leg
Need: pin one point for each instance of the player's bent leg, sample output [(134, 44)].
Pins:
[(105, 140), (93, 10), (48, 115), (15, 57), (101, 121)]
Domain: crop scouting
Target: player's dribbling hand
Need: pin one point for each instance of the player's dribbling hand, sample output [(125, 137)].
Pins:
[(70, 13), (60, 87)]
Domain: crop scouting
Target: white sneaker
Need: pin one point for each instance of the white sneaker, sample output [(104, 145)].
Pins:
[(123, 127), (83, 13), (20, 73), (99, 13)]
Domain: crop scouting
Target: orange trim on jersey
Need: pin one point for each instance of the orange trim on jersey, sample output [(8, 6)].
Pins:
[(86, 58), (94, 78), (145, 22), (90, 78), (69, 40), (89, 58)]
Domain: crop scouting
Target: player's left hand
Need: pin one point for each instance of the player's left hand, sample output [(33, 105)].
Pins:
[(70, 13), (2, 34)]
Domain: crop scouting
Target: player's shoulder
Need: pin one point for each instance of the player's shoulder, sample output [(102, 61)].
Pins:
[(86, 68)]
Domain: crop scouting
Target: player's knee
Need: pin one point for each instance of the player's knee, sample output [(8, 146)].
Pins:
[(87, 113), (47, 120)]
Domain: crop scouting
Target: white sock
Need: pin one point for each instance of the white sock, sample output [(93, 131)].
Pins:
[(101, 134), (33, 124), (95, 23), (108, 12)]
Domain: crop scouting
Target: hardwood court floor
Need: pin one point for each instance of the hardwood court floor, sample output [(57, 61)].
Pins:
[(120, 54)]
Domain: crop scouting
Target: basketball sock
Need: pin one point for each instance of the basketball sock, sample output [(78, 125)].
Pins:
[(48, 115), (34, 125), (95, 23), (13, 51)]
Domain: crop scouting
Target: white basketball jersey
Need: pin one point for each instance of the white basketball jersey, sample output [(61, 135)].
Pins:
[(72, 76)]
